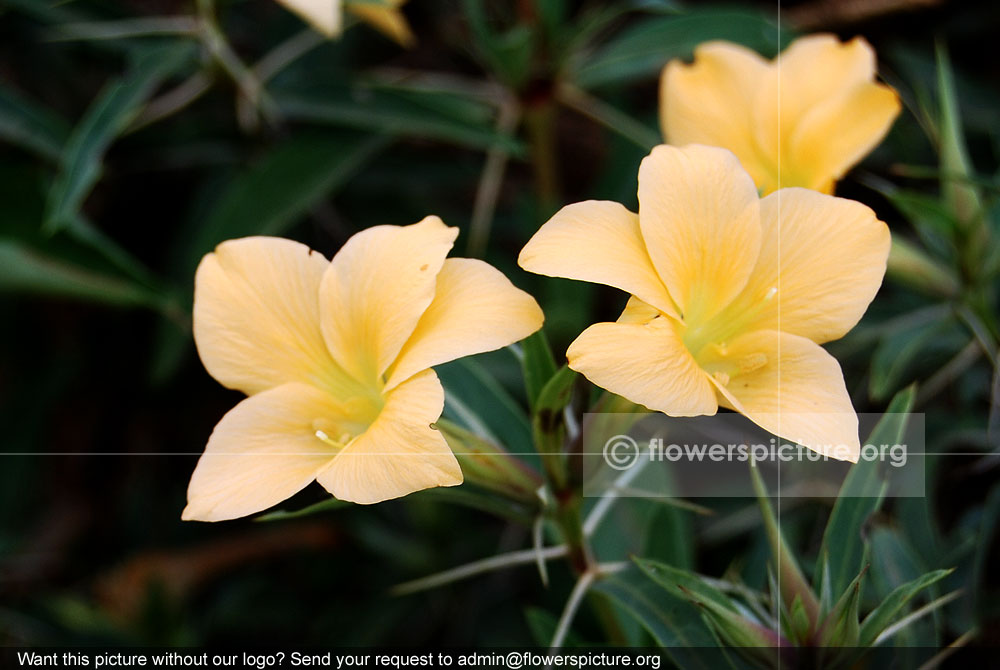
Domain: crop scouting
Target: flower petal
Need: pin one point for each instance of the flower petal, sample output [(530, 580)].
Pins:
[(839, 132), (789, 386), (816, 67), (698, 211), (646, 363), (597, 241), (263, 451), (710, 101), (399, 453), (376, 289), (256, 315), (475, 309), (821, 263), (326, 16)]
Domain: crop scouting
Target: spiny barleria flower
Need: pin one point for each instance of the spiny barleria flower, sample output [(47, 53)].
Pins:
[(731, 294), (327, 16), (336, 356), (811, 113)]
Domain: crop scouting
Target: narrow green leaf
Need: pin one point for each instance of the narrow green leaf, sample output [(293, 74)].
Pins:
[(684, 584), (860, 496), (671, 621), (883, 615), (442, 116), (962, 197), (24, 269), (277, 191), (643, 50), (791, 581), (538, 365), (109, 115), (840, 628), (31, 126), (315, 508), (477, 401), (896, 354), (911, 266)]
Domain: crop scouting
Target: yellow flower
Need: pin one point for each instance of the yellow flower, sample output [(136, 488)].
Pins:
[(731, 294), (813, 112), (327, 16), (335, 357)]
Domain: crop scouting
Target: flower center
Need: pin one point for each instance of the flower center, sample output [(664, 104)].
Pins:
[(353, 419)]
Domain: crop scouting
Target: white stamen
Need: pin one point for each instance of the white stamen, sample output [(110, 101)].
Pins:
[(771, 293)]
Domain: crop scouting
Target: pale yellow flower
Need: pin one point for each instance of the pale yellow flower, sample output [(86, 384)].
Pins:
[(814, 111), (336, 356), (327, 16), (731, 294)]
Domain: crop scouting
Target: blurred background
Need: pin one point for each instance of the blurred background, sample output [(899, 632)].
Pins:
[(131, 144)]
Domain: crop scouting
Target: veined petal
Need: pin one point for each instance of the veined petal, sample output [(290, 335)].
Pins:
[(646, 363), (821, 263), (375, 291), (387, 19), (699, 215), (789, 386), (263, 451), (326, 16), (839, 132), (256, 315), (475, 309), (399, 453), (709, 101), (597, 241)]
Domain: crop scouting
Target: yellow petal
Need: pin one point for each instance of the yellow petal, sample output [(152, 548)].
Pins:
[(811, 72), (789, 386), (400, 453), (376, 289), (821, 263), (839, 132), (646, 363), (597, 241), (709, 101), (256, 315), (261, 452), (637, 311), (386, 19), (475, 309), (698, 211), (326, 16)]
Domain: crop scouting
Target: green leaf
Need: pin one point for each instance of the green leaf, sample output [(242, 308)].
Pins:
[(109, 115), (475, 400), (267, 198), (643, 50), (538, 364), (883, 615), (896, 354), (840, 628), (962, 197), (911, 266), (435, 115), (860, 496), (549, 425), (792, 583), (670, 620), (31, 126), (25, 269), (276, 192), (316, 508)]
